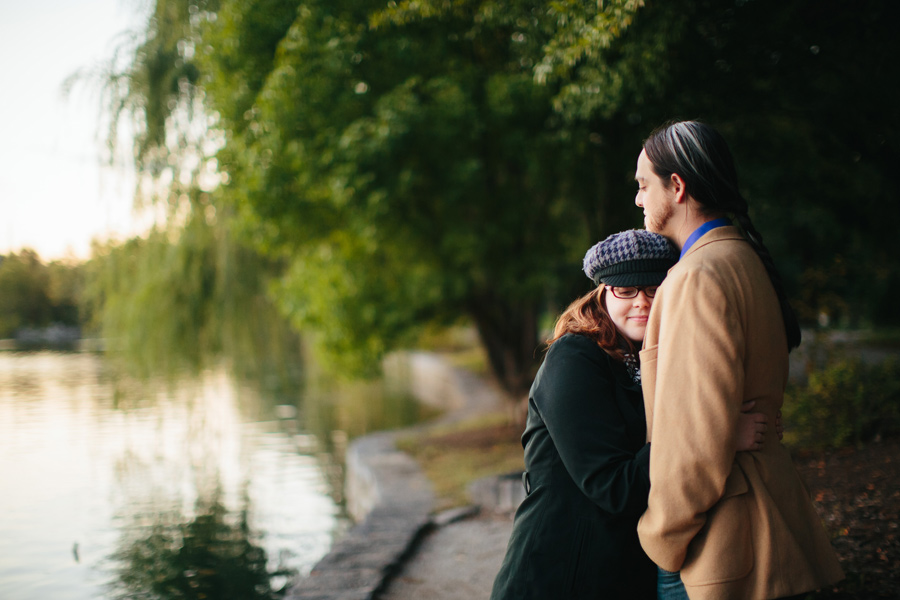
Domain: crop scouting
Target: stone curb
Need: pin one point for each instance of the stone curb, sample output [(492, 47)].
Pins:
[(498, 493), (389, 496), (391, 500)]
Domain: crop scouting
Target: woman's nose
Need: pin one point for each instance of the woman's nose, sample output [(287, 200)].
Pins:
[(641, 299)]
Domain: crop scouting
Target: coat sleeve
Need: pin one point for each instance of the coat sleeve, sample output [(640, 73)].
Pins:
[(699, 386), (576, 400)]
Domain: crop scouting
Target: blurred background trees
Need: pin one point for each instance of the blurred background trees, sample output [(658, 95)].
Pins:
[(392, 165), (186, 297), (34, 294)]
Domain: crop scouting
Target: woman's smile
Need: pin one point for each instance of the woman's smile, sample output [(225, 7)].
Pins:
[(630, 315)]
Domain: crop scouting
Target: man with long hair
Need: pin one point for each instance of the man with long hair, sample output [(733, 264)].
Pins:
[(719, 523)]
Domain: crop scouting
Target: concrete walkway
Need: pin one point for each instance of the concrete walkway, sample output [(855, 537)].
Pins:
[(399, 549), (457, 561)]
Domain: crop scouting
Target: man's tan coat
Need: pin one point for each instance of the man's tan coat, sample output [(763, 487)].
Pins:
[(737, 525)]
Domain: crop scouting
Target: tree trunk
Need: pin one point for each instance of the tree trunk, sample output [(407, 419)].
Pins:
[(509, 335)]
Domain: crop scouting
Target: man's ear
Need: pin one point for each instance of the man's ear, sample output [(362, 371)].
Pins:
[(677, 186)]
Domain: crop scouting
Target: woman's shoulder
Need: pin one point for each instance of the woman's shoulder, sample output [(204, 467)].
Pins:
[(575, 344), (574, 340), (573, 360)]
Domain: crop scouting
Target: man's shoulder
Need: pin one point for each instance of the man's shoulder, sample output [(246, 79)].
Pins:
[(713, 258), (717, 248), (698, 266), (709, 274)]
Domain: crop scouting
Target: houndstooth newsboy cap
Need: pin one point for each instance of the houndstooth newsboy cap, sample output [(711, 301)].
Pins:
[(633, 257)]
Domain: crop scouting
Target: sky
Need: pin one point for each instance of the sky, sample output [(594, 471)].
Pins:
[(56, 194)]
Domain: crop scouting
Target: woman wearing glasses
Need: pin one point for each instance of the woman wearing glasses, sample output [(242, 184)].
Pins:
[(587, 464)]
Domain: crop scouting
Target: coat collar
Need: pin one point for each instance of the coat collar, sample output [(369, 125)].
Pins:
[(728, 232)]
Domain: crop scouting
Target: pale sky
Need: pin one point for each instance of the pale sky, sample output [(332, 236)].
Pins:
[(55, 195)]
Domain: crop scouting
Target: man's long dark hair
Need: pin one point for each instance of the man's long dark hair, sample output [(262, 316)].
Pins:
[(700, 156)]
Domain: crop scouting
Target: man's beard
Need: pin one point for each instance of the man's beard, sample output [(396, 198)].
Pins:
[(657, 222)]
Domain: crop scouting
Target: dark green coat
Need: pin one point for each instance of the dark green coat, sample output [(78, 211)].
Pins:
[(587, 472)]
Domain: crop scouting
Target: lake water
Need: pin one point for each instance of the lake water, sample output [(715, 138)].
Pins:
[(196, 488)]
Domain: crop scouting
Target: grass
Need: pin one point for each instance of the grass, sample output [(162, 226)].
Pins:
[(452, 456)]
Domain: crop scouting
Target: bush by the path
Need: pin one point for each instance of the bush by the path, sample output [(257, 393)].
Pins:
[(847, 403)]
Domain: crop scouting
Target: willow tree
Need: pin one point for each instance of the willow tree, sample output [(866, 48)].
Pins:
[(189, 292)]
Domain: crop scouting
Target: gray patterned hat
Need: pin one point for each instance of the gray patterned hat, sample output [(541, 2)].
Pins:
[(633, 257)]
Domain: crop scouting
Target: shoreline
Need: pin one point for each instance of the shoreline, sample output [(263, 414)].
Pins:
[(389, 496)]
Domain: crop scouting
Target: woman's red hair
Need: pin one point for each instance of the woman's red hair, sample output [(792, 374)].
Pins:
[(587, 316)]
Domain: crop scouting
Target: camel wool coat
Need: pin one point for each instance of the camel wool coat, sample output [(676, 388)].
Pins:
[(736, 525)]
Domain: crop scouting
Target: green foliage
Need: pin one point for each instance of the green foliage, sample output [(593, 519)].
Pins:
[(157, 87), (35, 294), (65, 284), (412, 171), (182, 297), (848, 402), (24, 299), (412, 162), (354, 321)]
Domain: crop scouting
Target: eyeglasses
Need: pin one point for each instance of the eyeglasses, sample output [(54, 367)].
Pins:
[(627, 293)]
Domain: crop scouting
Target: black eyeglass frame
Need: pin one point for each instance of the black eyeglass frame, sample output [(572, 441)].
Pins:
[(649, 291)]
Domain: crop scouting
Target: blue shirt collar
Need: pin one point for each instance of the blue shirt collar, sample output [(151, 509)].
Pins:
[(698, 233)]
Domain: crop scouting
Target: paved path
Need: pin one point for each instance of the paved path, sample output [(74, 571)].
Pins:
[(457, 561)]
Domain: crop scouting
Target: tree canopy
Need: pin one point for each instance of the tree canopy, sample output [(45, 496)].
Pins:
[(421, 161), (412, 169)]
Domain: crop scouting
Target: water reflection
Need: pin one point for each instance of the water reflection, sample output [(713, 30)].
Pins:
[(213, 555), (169, 489)]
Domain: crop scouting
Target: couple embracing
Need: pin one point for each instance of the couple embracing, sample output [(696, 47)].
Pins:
[(650, 469)]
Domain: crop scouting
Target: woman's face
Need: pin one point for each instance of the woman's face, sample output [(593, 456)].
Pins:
[(629, 315)]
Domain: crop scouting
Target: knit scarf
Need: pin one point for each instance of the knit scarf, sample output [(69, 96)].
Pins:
[(633, 364)]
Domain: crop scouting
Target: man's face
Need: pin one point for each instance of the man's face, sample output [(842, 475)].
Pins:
[(657, 200)]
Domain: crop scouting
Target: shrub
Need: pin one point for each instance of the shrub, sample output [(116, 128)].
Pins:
[(848, 402)]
